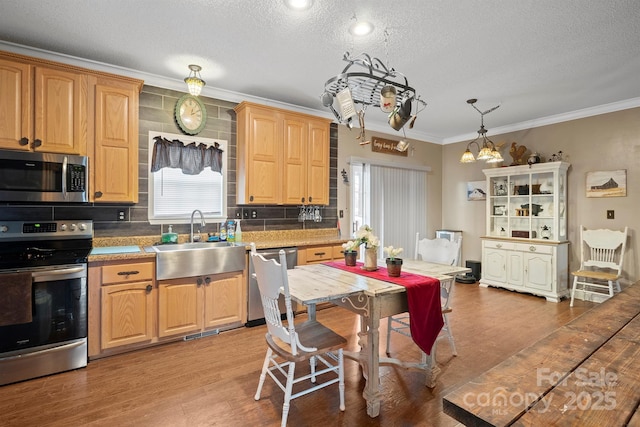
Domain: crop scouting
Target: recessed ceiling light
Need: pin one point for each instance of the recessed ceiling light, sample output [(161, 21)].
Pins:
[(299, 4), (361, 28)]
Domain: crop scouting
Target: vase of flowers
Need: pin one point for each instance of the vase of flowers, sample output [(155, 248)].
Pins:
[(364, 236), (394, 264), (350, 253)]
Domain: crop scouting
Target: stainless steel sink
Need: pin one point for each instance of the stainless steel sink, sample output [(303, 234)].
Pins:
[(198, 259)]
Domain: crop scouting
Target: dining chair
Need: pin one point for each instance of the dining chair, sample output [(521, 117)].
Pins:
[(441, 251), (290, 344), (601, 256)]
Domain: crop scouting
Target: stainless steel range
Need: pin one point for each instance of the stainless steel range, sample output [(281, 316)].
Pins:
[(43, 297)]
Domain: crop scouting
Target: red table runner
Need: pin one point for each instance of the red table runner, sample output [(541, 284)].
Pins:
[(423, 298)]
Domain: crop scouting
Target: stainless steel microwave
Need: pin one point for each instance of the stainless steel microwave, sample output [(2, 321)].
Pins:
[(43, 177)]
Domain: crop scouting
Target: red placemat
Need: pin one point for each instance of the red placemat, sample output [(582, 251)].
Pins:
[(423, 299)]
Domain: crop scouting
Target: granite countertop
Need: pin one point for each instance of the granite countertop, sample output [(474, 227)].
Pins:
[(132, 247)]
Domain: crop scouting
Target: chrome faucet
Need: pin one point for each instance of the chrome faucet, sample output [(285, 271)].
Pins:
[(202, 223)]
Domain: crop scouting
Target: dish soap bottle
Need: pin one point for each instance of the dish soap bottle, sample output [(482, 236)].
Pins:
[(169, 236), (231, 232), (238, 231), (223, 232)]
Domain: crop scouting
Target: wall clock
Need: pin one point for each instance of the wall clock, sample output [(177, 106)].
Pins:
[(191, 114)]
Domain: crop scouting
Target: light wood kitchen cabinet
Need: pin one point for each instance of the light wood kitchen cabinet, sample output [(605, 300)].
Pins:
[(282, 157), (127, 305), (114, 158), (44, 106), (194, 304), (317, 254)]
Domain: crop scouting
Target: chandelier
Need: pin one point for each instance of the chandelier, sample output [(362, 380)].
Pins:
[(367, 81), (486, 148), (194, 81)]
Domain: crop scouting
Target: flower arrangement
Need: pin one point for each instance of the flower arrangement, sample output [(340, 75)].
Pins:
[(392, 252), (351, 246), (365, 235)]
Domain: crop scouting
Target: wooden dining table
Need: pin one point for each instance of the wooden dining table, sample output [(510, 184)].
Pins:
[(372, 299)]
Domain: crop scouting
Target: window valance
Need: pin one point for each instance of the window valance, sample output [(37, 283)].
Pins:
[(191, 158)]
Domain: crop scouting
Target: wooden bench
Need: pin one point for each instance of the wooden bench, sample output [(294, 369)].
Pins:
[(585, 373)]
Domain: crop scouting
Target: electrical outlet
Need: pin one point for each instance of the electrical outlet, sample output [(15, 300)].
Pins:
[(121, 216), (245, 213), (238, 214), (254, 214), (610, 214)]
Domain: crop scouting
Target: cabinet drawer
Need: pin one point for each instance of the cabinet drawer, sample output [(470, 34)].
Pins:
[(320, 253), (539, 249), (498, 244), (130, 272)]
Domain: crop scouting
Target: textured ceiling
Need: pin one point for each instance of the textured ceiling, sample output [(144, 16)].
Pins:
[(538, 59)]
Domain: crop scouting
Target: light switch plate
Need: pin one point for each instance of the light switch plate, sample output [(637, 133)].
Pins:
[(610, 214)]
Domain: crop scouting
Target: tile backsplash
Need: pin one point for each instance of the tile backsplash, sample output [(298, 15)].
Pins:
[(156, 114)]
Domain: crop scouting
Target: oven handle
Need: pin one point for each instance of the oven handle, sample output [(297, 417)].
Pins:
[(64, 177), (61, 272)]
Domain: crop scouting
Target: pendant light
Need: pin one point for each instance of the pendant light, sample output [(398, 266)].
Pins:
[(194, 81), (486, 148)]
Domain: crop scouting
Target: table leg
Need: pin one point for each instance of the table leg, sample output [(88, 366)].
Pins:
[(311, 312), (371, 367)]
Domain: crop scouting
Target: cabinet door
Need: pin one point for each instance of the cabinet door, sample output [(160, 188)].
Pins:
[(318, 163), (514, 268), (115, 160), (15, 104), (60, 111), (263, 166), (295, 161), (538, 271), (127, 314), (180, 307), (495, 265), (224, 300)]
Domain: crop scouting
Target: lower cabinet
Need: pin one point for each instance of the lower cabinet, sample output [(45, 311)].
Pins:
[(195, 304), (532, 267), (316, 254), (129, 310)]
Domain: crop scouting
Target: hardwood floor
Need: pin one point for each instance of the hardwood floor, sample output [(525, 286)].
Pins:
[(212, 381)]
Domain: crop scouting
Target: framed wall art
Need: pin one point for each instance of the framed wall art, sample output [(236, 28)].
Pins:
[(607, 183), (476, 190)]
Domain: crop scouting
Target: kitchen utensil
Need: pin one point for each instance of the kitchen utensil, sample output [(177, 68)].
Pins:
[(327, 101), (388, 98)]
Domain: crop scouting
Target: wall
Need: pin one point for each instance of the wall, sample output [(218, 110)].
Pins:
[(420, 153), (157, 114), (605, 142)]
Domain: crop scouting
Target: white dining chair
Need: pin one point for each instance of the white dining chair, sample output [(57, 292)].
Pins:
[(601, 256), (287, 345)]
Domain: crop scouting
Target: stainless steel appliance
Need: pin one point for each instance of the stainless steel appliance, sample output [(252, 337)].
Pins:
[(43, 297), (43, 177), (255, 314)]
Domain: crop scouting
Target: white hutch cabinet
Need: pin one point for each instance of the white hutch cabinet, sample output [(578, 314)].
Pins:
[(525, 248)]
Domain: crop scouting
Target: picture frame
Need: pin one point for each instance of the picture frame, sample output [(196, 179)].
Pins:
[(607, 183), (499, 210), (476, 190)]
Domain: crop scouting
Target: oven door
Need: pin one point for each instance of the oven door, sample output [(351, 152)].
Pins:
[(59, 309)]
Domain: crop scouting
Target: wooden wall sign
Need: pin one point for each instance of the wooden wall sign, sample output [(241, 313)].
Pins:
[(387, 146)]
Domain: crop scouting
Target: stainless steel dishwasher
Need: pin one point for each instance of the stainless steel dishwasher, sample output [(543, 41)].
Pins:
[(255, 314)]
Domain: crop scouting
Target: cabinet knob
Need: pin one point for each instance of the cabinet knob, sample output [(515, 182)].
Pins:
[(149, 288), (302, 200), (98, 194), (499, 245), (532, 248), (36, 143), (207, 280), (23, 141), (310, 199), (199, 281)]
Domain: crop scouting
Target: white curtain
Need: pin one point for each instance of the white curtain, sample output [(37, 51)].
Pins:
[(397, 206)]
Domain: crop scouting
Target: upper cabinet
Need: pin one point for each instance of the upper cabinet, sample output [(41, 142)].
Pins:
[(528, 202), (114, 161), (42, 107), (282, 157), (57, 108)]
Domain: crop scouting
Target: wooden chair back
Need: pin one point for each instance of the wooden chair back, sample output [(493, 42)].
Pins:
[(441, 251), (603, 248)]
